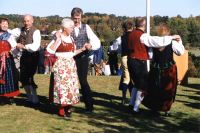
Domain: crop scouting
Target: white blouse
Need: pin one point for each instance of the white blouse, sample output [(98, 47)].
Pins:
[(62, 54)]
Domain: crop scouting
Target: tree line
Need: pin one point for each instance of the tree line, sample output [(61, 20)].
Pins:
[(187, 28)]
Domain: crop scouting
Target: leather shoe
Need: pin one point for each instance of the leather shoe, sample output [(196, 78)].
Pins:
[(167, 114), (125, 101), (2, 104), (130, 107), (28, 104), (12, 101), (89, 109), (137, 113)]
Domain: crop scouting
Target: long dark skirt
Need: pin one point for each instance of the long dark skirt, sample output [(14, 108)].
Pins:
[(10, 88), (161, 93)]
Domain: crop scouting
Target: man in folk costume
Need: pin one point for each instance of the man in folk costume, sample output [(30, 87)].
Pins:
[(82, 34), (137, 44), (30, 39), (8, 72), (125, 80)]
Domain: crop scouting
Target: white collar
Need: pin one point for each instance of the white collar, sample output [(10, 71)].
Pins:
[(79, 25)]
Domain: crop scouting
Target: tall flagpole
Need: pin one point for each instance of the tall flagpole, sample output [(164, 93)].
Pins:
[(148, 27)]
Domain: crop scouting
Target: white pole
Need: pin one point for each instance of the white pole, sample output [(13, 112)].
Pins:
[(148, 27)]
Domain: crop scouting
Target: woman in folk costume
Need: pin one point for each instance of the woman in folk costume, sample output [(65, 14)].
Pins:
[(8, 71), (64, 88), (163, 75), (48, 61)]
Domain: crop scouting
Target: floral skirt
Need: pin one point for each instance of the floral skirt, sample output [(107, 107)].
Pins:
[(64, 88), (97, 67)]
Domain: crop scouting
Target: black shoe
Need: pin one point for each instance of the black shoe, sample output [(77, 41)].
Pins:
[(89, 109), (12, 101), (167, 114), (130, 107), (28, 104), (2, 104), (137, 113), (36, 104), (125, 101)]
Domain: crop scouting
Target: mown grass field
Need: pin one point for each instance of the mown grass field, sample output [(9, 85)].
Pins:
[(109, 114)]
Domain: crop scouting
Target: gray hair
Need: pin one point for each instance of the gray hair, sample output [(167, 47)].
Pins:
[(140, 22), (66, 22)]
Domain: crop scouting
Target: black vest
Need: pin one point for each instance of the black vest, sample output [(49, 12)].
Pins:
[(123, 43), (163, 57)]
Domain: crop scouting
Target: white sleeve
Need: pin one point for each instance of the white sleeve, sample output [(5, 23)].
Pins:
[(36, 42), (51, 43), (16, 32), (13, 45), (178, 47), (155, 41), (93, 39), (117, 42)]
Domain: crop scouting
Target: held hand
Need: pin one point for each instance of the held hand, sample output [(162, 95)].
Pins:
[(101, 60), (176, 37), (83, 48), (88, 46), (19, 46), (58, 35)]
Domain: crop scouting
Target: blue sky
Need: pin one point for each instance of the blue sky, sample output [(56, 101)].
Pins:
[(131, 8)]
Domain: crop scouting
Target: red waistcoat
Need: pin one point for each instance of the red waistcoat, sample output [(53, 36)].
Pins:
[(136, 49), (4, 46), (66, 47)]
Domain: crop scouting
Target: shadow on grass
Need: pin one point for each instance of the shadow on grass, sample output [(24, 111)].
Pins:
[(118, 118), (194, 86), (45, 106)]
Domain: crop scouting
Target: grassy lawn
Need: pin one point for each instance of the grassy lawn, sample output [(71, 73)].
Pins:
[(109, 114)]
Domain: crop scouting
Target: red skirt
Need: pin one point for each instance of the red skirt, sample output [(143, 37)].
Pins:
[(161, 91)]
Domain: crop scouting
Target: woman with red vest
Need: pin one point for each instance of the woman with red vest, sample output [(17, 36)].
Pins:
[(8, 71), (64, 88), (163, 75)]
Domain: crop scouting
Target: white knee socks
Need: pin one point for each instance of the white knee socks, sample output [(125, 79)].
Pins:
[(133, 95), (28, 92), (34, 92), (138, 101)]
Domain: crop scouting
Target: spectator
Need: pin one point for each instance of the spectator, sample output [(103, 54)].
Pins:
[(41, 57), (112, 60), (48, 60)]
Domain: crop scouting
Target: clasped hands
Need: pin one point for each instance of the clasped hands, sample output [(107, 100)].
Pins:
[(86, 46), (19, 46), (176, 37)]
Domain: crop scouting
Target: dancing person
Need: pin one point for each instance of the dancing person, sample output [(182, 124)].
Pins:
[(30, 39), (125, 82), (64, 89), (8, 72), (82, 34), (163, 75), (98, 57), (137, 44)]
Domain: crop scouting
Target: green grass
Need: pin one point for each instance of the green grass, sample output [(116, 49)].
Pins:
[(109, 114)]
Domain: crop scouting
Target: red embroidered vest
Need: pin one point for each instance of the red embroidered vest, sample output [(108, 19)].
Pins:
[(136, 49), (4, 46), (66, 47)]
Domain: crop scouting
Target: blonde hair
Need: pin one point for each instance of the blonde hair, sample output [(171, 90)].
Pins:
[(163, 30)]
